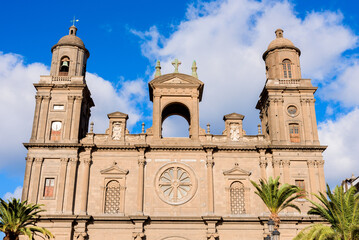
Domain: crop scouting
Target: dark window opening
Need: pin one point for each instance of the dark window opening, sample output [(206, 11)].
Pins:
[(64, 66)]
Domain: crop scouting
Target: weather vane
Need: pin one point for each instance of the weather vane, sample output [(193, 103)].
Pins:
[(73, 21)]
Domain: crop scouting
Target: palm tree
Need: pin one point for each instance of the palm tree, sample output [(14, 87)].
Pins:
[(277, 197), (340, 210), (19, 218)]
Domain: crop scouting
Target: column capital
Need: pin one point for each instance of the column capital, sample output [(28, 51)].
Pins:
[(29, 159), (71, 97), (38, 97), (263, 163), (87, 161), (320, 163), (73, 160), (141, 162), (276, 162), (311, 163), (46, 97), (210, 162), (39, 160), (78, 97), (64, 160), (286, 163)]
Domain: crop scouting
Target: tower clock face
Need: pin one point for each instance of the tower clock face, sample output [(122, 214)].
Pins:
[(292, 110), (56, 126)]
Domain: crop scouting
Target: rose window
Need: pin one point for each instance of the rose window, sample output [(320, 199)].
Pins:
[(175, 184)]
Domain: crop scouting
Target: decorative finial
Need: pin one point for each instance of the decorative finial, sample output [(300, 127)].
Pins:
[(259, 129), (176, 63), (91, 127), (194, 69), (158, 69), (74, 20), (279, 33), (143, 127), (208, 128)]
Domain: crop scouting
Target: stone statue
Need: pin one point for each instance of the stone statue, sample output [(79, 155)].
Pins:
[(234, 132), (116, 131)]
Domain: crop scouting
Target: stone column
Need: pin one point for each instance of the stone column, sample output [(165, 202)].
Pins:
[(36, 117), (322, 186), (141, 167), (43, 117), (306, 120), (276, 165), (36, 180), (61, 185), (70, 185), (210, 190), (76, 118), (314, 121), (273, 119), (27, 178), (70, 106), (85, 184), (263, 165), (157, 131), (270, 170), (312, 178), (286, 171), (281, 121)]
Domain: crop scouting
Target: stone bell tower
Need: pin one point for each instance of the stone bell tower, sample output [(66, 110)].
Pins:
[(176, 94), (63, 100), (286, 103)]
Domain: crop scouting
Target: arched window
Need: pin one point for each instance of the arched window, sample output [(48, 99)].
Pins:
[(237, 198), (64, 66), (287, 68), (112, 197), (178, 119), (294, 132)]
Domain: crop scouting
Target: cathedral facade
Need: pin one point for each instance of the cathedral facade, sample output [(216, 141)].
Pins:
[(117, 185)]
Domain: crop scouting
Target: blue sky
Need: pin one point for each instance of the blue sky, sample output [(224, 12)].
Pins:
[(227, 38)]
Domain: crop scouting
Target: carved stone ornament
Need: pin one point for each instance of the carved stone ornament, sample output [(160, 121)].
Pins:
[(138, 235), (236, 171), (116, 131), (234, 132)]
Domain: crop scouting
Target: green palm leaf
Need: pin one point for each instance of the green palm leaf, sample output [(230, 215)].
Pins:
[(19, 218)]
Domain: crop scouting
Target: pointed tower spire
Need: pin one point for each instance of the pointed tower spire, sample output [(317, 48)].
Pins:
[(158, 69), (194, 69)]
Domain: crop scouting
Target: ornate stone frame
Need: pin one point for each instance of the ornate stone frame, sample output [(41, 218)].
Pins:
[(237, 174), (42, 186), (189, 171), (114, 173)]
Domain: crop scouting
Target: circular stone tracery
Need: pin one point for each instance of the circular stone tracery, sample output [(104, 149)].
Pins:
[(176, 183)]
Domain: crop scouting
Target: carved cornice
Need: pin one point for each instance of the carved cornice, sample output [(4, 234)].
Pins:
[(52, 145)]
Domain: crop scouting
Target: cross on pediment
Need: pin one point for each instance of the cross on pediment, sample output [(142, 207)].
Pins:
[(176, 64)]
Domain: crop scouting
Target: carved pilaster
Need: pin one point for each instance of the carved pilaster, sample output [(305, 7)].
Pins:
[(320, 165), (276, 165), (61, 180), (27, 178), (286, 165), (70, 186), (86, 162), (141, 165), (36, 180), (210, 162), (312, 178), (35, 124)]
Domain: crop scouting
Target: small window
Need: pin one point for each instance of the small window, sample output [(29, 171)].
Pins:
[(49, 187), (287, 68), (301, 185), (55, 134), (237, 198), (64, 66), (112, 197), (294, 133), (59, 107)]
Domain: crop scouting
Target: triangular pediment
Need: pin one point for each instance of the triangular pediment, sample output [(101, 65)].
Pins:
[(176, 80), (233, 116), (114, 170), (237, 171), (117, 115)]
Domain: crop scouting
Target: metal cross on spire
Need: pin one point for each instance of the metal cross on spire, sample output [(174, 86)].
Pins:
[(74, 20), (176, 63)]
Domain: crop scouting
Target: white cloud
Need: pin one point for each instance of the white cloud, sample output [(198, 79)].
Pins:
[(341, 156), (15, 194), (346, 87), (227, 39), (17, 101)]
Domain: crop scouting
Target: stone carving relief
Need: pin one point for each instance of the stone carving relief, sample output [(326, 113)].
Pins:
[(176, 183), (234, 132), (116, 131)]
